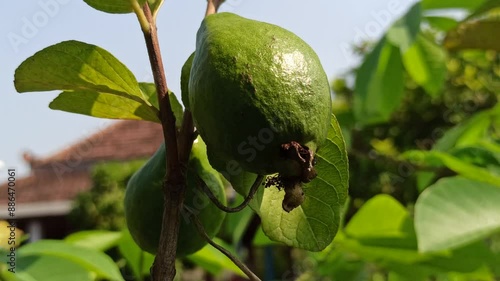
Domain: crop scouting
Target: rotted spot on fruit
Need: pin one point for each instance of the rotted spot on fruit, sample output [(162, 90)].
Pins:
[(303, 157), (301, 171), (294, 194)]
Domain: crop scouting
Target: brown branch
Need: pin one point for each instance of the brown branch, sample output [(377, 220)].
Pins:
[(175, 179)]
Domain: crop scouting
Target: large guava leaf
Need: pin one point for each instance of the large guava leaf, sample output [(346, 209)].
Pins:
[(77, 66), (455, 212), (314, 224)]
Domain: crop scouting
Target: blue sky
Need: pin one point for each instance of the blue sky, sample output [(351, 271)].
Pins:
[(26, 122)]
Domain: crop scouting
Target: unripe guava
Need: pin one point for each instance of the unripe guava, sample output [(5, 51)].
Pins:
[(144, 202), (259, 96)]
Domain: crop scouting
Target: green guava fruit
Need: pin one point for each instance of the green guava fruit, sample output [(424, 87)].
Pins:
[(144, 202), (259, 96), (185, 72)]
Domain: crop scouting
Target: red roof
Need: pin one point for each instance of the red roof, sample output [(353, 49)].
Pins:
[(64, 174), (124, 140)]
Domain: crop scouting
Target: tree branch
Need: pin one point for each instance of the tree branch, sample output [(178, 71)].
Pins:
[(175, 179)]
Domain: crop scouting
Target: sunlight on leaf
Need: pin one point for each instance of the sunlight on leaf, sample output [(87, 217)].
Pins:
[(456, 211), (76, 66)]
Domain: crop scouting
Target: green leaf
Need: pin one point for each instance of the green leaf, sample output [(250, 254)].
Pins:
[(138, 260), (405, 30), (50, 268), (213, 261), (337, 264), (455, 212), (314, 224), (382, 228), (92, 260), (104, 105), (451, 4), (438, 159), (382, 217), (149, 91), (113, 6), (480, 156), (260, 239), (471, 131), (76, 66), (487, 6), (100, 240), (474, 35), (472, 258), (441, 23), (426, 63), (379, 84)]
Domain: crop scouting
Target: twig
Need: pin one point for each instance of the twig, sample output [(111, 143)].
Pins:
[(238, 208), (228, 254)]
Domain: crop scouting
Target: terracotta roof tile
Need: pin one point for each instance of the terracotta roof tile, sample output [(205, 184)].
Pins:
[(63, 175), (123, 140)]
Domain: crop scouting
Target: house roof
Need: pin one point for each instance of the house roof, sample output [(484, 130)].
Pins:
[(123, 140), (61, 176)]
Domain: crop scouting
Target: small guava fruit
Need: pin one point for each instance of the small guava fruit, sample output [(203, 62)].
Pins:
[(144, 202), (259, 97)]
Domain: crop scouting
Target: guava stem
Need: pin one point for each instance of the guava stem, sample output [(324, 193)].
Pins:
[(243, 204), (228, 254), (174, 186)]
